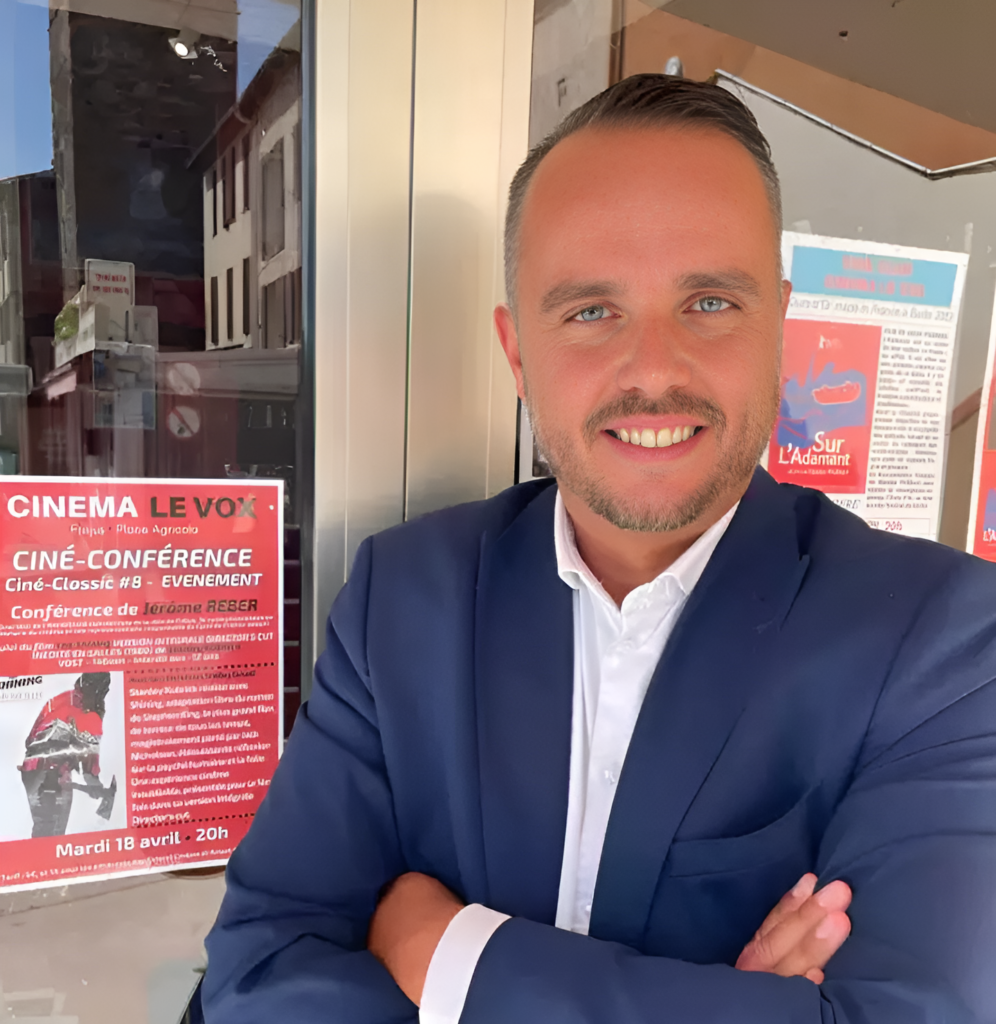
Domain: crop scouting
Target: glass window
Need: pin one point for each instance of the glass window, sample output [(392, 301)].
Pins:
[(150, 329)]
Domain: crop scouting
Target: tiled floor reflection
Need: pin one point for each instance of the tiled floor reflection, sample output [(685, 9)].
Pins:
[(123, 952)]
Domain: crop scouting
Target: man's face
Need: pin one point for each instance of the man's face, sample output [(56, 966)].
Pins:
[(649, 306)]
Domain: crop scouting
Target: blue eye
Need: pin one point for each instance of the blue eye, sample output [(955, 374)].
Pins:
[(712, 304), (592, 313)]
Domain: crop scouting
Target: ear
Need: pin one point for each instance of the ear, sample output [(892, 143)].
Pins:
[(509, 338), (786, 295)]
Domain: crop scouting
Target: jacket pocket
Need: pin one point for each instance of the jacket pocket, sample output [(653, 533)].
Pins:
[(790, 837)]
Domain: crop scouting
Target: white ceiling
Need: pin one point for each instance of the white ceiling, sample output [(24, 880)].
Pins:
[(936, 53)]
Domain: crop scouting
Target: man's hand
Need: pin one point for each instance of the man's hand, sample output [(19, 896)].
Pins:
[(800, 935), (406, 928)]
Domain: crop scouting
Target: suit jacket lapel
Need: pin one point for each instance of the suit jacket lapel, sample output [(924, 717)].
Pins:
[(525, 671), (700, 688)]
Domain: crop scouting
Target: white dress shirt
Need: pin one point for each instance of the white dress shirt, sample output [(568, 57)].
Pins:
[(616, 650)]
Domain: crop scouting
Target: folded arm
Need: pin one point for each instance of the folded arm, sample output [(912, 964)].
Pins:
[(916, 837), (290, 940), (916, 840)]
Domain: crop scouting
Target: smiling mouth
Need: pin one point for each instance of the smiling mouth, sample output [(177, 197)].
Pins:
[(647, 438)]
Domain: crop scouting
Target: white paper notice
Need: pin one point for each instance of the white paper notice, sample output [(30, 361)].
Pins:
[(866, 368)]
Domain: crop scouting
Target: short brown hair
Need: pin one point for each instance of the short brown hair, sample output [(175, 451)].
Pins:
[(645, 101)]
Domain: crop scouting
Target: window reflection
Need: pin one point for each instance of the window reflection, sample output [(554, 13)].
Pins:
[(150, 326), (150, 248)]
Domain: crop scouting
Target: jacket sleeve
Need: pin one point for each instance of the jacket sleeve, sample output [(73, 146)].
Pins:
[(290, 940), (914, 836)]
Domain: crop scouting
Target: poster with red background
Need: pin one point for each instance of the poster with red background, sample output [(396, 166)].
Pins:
[(140, 676), (823, 432), (982, 542), (982, 520)]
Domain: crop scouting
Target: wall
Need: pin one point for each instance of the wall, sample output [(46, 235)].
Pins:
[(572, 54), (895, 124)]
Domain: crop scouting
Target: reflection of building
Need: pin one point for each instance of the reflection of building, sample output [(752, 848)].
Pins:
[(252, 212), (128, 115), (30, 296), (228, 414), (30, 273)]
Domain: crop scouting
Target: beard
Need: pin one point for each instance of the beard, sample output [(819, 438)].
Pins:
[(658, 513)]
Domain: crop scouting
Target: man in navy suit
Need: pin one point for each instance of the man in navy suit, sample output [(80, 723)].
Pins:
[(662, 741)]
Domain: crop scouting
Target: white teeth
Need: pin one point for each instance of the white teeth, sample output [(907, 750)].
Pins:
[(663, 438)]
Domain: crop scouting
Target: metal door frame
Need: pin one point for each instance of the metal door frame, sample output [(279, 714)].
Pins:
[(415, 108)]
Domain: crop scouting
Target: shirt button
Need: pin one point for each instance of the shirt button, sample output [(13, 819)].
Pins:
[(610, 776)]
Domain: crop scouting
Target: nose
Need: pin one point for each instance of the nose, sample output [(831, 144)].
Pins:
[(653, 357)]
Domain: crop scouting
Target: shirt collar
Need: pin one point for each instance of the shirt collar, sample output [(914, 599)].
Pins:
[(685, 570)]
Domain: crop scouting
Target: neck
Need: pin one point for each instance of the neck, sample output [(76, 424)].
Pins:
[(622, 560)]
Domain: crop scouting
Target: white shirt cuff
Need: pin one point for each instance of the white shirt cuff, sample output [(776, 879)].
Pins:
[(451, 968)]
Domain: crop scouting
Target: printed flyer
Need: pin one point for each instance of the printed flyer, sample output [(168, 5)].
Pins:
[(868, 350), (982, 517), (140, 675)]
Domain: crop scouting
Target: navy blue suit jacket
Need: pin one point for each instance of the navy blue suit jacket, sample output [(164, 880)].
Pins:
[(826, 702)]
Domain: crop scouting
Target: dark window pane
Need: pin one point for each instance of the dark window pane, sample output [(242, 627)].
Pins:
[(296, 306), (246, 285), (228, 165), (230, 303), (246, 158), (296, 139), (273, 312), (273, 201), (214, 311), (214, 202)]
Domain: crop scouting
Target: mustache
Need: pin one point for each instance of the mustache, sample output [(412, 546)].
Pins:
[(672, 404)]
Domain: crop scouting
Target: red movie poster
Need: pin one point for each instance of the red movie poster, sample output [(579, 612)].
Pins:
[(823, 431), (983, 539), (141, 634)]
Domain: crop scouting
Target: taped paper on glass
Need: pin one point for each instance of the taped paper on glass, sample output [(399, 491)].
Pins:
[(867, 357), (982, 515), (140, 674)]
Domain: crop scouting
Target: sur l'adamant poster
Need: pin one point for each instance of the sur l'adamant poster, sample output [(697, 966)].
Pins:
[(867, 356)]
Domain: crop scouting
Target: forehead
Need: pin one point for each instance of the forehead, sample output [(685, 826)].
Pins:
[(672, 196)]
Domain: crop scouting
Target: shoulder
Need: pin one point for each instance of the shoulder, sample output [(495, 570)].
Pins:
[(413, 586), (837, 539), (435, 558), (452, 537)]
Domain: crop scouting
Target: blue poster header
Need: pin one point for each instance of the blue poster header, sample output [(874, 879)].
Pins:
[(865, 275)]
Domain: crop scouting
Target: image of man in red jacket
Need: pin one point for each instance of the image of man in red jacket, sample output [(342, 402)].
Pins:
[(65, 738)]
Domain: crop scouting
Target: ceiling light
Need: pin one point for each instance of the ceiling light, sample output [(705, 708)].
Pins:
[(185, 44)]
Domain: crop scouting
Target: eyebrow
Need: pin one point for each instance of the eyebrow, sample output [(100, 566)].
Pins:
[(729, 280), (575, 291)]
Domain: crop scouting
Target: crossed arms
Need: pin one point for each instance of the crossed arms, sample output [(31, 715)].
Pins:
[(915, 838), (796, 939)]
